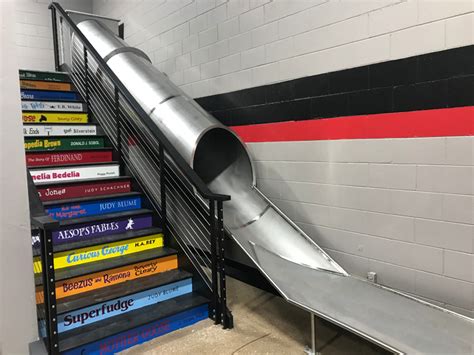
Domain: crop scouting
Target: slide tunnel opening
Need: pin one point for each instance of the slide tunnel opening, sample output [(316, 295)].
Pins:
[(220, 156)]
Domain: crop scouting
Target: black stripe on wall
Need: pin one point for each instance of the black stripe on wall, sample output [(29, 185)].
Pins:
[(436, 80)]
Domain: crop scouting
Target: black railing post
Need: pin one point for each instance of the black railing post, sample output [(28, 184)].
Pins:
[(215, 313), (49, 291), (226, 316), (121, 30), (55, 37), (164, 220), (118, 122), (86, 80)]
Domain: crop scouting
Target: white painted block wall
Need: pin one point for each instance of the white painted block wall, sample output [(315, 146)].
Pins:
[(33, 32), (215, 46), (18, 321), (403, 208)]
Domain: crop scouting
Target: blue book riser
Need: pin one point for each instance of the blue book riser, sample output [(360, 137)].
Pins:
[(50, 95), (139, 335), (93, 208), (104, 310)]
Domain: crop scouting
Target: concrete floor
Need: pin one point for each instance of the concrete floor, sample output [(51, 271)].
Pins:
[(264, 324)]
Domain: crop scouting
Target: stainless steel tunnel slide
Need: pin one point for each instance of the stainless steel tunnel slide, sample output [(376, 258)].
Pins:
[(303, 273)]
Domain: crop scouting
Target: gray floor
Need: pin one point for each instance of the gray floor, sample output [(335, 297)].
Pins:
[(264, 324)]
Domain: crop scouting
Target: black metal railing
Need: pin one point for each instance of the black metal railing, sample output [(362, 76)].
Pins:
[(190, 213)]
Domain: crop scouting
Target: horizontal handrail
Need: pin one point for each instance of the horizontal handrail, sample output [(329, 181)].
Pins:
[(189, 173)]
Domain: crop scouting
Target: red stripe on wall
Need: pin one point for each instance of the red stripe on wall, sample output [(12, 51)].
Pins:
[(457, 121)]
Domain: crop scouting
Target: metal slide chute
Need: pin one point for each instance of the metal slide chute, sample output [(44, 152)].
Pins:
[(303, 273)]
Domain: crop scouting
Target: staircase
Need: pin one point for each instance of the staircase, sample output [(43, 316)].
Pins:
[(116, 282)]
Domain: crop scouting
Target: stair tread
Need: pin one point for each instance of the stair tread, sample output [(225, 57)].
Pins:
[(101, 149), (133, 319), (60, 73), (46, 90), (49, 111), (102, 240), (69, 137), (91, 198), (104, 217), (113, 162), (86, 299), (60, 124), (107, 264), (78, 182)]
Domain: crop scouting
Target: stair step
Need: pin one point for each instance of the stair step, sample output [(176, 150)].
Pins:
[(87, 228), (78, 200), (55, 117), (53, 76), (47, 95), (100, 252), (60, 191), (92, 276), (73, 157), (121, 332), (66, 211), (52, 106), (74, 172), (101, 240), (76, 157), (123, 305), (45, 85), (83, 300), (56, 130), (60, 144)]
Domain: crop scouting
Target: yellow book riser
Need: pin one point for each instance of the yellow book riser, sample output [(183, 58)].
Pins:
[(61, 258), (53, 117)]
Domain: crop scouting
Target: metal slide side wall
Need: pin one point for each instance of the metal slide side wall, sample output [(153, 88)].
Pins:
[(303, 273)]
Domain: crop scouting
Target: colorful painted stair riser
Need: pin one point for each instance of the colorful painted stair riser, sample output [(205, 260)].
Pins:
[(68, 158), (45, 85), (42, 75), (124, 340), (102, 252), (53, 106), (55, 117), (88, 231), (59, 130), (75, 173), (97, 280), (41, 95), (52, 144), (123, 305), (61, 192), (93, 208)]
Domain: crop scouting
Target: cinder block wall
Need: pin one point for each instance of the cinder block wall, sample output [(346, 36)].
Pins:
[(34, 38), (385, 181)]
